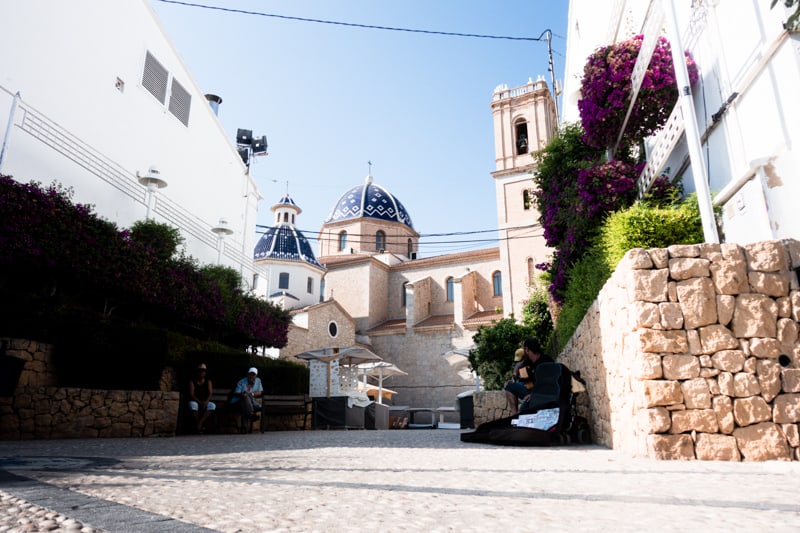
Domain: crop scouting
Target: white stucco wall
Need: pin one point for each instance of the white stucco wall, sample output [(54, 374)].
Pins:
[(85, 120)]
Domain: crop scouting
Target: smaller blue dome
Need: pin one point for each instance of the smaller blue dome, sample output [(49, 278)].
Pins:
[(285, 242)]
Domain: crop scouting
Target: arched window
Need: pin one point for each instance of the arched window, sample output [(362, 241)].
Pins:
[(531, 268), (292, 218), (449, 284), (403, 293), (380, 241), (342, 241), (521, 137), (497, 283), (286, 217), (283, 280)]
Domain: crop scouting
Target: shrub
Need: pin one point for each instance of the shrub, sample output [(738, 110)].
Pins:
[(493, 355), (642, 226), (639, 226)]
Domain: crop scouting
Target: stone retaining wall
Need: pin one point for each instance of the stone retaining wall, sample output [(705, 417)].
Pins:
[(691, 352), (40, 410)]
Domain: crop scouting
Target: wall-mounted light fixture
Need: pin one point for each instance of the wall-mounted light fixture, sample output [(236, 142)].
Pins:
[(153, 181), (222, 230)]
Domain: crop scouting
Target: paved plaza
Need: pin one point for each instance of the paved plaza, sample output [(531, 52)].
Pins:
[(378, 481)]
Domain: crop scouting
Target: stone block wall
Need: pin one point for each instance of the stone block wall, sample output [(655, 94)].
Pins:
[(489, 405), (692, 352), (39, 409)]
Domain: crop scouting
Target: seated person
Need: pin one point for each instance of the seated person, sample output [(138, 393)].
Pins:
[(200, 391), (519, 388), (247, 390)]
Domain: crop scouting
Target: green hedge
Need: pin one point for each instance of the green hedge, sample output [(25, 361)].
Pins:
[(639, 226)]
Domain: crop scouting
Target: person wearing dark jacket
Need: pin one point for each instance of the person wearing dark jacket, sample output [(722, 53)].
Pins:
[(521, 384)]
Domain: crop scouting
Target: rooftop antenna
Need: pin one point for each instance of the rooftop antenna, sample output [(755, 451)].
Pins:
[(369, 173)]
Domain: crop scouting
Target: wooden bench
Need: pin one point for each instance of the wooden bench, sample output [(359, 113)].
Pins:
[(279, 405)]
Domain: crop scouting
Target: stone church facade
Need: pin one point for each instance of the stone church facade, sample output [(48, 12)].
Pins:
[(377, 292)]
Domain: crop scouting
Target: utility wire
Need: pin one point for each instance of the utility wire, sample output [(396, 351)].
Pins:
[(354, 25)]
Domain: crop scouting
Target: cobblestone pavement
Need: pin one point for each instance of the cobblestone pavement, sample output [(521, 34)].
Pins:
[(378, 481)]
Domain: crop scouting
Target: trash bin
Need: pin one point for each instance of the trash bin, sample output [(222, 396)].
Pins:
[(10, 371), (466, 408)]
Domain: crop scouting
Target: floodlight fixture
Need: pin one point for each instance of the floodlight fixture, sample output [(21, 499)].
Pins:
[(259, 145), (244, 137), (244, 153)]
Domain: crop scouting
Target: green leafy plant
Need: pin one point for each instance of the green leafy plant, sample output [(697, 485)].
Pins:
[(642, 225), (493, 355), (793, 22)]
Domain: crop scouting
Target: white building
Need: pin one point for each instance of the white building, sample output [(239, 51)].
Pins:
[(94, 94), (743, 111)]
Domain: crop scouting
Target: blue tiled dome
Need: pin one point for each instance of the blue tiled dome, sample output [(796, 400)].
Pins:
[(369, 201), (285, 242)]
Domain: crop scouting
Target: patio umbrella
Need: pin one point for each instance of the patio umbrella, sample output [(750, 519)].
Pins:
[(349, 356), (459, 358), (372, 390), (380, 370)]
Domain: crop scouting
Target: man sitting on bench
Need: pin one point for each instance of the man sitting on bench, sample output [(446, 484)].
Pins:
[(247, 390)]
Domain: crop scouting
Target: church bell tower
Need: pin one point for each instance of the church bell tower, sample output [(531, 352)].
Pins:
[(525, 119)]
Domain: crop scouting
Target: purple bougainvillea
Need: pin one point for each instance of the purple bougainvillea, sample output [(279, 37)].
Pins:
[(606, 92)]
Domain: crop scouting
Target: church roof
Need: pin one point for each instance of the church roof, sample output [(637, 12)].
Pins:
[(286, 242), (369, 200)]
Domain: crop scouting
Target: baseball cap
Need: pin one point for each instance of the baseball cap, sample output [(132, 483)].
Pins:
[(518, 354), (253, 370)]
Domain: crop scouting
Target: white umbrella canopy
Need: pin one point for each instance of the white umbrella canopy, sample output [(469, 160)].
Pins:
[(459, 358), (380, 370), (352, 355), (372, 390)]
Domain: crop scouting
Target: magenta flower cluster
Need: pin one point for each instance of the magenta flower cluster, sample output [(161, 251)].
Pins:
[(606, 92), (571, 213)]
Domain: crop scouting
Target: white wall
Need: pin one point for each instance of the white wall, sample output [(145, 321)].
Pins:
[(74, 125)]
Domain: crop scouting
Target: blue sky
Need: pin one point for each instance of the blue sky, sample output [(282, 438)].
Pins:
[(330, 98)]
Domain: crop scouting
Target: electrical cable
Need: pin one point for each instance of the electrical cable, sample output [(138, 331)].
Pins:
[(355, 25)]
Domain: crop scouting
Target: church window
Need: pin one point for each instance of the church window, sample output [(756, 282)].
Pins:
[(286, 217), (292, 218), (380, 241), (531, 272), (403, 293), (333, 329), (342, 241), (283, 280), (497, 283), (410, 249), (449, 283), (521, 136), (310, 285)]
